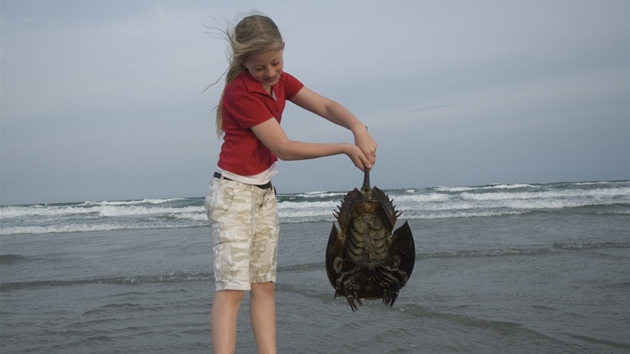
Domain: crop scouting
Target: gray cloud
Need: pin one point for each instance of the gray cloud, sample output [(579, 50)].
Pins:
[(104, 101)]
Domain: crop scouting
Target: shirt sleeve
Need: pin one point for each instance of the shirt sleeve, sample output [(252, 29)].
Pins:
[(292, 86), (246, 109)]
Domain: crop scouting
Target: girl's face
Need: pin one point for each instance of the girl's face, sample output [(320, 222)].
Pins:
[(265, 67)]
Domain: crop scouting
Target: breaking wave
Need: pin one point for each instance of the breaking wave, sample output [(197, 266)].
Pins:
[(442, 202)]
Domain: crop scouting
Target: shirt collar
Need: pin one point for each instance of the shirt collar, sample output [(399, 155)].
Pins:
[(252, 84)]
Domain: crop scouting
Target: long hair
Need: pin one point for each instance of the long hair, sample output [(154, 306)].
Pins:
[(253, 34)]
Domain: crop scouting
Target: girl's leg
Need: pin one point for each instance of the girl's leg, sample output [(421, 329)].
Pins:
[(263, 274), (223, 320), (262, 314)]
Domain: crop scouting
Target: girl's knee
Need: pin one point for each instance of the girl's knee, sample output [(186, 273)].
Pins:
[(229, 297), (263, 289)]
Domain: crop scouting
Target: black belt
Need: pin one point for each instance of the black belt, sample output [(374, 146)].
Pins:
[(267, 185)]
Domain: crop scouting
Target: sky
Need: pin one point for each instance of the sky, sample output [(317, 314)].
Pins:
[(103, 99)]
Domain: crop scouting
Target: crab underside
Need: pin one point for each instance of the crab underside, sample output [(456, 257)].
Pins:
[(364, 258)]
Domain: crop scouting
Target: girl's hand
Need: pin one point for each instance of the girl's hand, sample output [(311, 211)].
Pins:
[(367, 144), (358, 157)]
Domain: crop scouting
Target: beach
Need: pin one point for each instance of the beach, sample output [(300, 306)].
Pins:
[(539, 268)]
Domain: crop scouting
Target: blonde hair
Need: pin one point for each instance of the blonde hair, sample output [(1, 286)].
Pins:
[(253, 34)]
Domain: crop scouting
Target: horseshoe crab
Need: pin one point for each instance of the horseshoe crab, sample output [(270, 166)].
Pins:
[(364, 260)]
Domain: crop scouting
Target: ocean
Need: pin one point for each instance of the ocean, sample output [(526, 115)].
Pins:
[(503, 268)]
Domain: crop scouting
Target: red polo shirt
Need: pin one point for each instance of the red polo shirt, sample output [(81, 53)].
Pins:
[(246, 104)]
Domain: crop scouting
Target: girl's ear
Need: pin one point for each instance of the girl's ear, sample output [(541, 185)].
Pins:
[(283, 43)]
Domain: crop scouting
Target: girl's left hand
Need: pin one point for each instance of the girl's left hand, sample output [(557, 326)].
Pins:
[(367, 144)]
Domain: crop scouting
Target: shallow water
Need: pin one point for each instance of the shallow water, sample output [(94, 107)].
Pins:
[(539, 282)]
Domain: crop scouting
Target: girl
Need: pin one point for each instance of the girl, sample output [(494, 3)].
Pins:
[(241, 204)]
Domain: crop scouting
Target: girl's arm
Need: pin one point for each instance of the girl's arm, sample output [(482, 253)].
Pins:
[(273, 136), (338, 114)]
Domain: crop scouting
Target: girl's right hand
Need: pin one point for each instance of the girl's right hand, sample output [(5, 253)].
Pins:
[(358, 157)]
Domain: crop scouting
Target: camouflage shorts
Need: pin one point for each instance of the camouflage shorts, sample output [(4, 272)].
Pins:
[(245, 232)]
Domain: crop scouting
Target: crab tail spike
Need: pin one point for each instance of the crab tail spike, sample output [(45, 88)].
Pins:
[(366, 179)]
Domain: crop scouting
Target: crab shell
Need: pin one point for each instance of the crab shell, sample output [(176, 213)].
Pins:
[(364, 243)]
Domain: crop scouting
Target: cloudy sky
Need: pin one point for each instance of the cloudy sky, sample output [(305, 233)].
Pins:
[(102, 99)]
